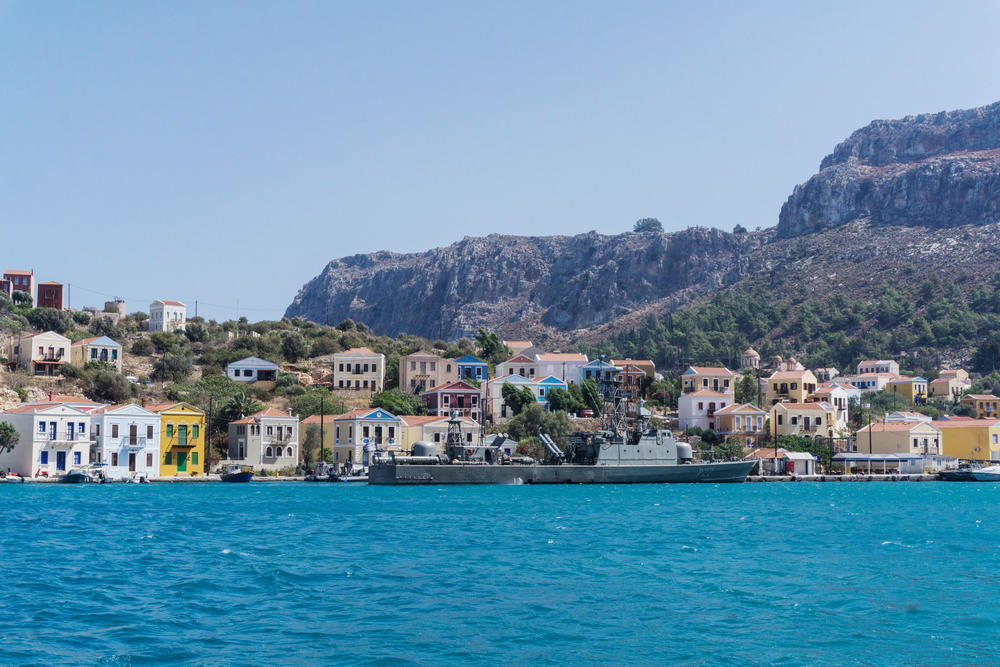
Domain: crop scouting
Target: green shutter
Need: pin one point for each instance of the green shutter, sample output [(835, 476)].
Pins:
[(166, 458), (194, 434), (170, 430), (194, 458)]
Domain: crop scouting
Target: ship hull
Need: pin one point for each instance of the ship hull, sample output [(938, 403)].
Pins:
[(396, 474)]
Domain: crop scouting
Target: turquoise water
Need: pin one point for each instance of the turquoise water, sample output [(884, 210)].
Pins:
[(871, 573)]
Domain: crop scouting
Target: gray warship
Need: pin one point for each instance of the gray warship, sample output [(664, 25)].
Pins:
[(625, 451)]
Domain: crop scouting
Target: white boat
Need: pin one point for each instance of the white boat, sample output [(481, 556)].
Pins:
[(987, 474)]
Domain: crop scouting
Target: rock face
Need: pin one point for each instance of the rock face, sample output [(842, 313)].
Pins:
[(935, 170), (514, 283)]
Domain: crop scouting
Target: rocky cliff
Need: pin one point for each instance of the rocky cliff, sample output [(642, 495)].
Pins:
[(935, 170), (515, 284)]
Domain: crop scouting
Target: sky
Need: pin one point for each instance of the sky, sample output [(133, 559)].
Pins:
[(224, 152)]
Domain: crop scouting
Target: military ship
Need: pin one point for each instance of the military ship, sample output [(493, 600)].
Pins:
[(624, 451)]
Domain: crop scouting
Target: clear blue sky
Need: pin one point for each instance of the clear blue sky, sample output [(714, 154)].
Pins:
[(226, 151)]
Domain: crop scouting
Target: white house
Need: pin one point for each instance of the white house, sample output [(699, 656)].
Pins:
[(127, 439), (697, 409), (494, 394), (563, 366), (522, 365), (252, 369), (881, 366), (167, 315), (53, 438), (41, 353)]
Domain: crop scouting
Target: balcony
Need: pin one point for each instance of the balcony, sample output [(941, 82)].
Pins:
[(137, 442)]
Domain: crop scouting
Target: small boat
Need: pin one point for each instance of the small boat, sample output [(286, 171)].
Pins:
[(11, 478), (325, 472), (75, 476), (236, 473), (987, 474), (964, 473)]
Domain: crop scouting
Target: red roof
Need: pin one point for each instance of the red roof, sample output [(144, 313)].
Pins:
[(19, 273), (266, 412), (706, 393), (804, 406), (50, 282), (358, 350), (171, 303), (521, 359)]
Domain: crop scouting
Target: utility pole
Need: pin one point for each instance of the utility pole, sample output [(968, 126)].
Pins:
[(196, 307), (321, 430), (69, 295)]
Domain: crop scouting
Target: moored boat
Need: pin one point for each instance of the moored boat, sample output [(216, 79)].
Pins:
[(236, 473), (987, 474)]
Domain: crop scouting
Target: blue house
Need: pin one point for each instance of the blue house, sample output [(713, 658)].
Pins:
[(252, 369), (471, 368), (599, 371), (544, 386)]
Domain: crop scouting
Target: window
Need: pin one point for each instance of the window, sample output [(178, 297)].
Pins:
[(437, 437), (97, 429), (114, 458), (447, 368), (114, 355), (270, 430), (93, 353), (341, 368), (114, 430), (364, 431), (795, 420), (149, 459), (194, 458), (468, 438), (780, 420), (41, 427), (45, 458), (413, 365), (701, 405), (433, 366), (288, 452), (167, 458), (170, 432), (81, 427), (194, 432), (149, 433)]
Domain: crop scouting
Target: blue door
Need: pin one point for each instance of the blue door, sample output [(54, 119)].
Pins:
[(60, 460), (52, 430)]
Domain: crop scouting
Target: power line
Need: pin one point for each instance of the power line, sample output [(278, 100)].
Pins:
[(203, 303)]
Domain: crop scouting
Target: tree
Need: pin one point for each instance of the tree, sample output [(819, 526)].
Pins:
[(534, 420), (175, 365), (491, 347), (309, 403), (195, 332), (730, 449), (560, 400), (103, 326), (517, 399), (399, 403), (50, 319), (747, 388), (81, 317), (5, 302), (237, 407), (739, 229), (647, 225), (109, 386), (8, 437), (22, 299), (142, 347), (293, 346)]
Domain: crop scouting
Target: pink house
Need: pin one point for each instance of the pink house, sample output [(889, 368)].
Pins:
[(463, 398)]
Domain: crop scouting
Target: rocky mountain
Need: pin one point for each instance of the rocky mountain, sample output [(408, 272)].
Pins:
[(523, 284), (934, 170), (898, 199)]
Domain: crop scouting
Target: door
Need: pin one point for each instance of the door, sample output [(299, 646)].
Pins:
[(69, 431), (131, 461), (182, 435), (60, 460), (182, 461), (378, 435), (133, 434)]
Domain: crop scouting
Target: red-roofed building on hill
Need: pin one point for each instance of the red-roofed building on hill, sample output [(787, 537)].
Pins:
[(266, 440), (359, 369), (50, 295), (21, 281), (805, 419), (709, 378), (167, 315), (458, 396)]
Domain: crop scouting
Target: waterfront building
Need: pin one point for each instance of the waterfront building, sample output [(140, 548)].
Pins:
[(837, 396), (472, 368), (422, 370), (804, 419), (52, 439), (459, 397), (127, 439), (970, 439), (434, 429), (496, 407), (266, 440), (914, 390), (879, 366), (698, 409), (743, 422), (792, 386), (521, 365), (359, 433), (311, 432), (900, 437), (709, 378), (167, 315), (563, 366), (986, 405), (360, 369), (41, 353), (98, 348), (783, 462), (252, 369), (182, 439), (600, 372)]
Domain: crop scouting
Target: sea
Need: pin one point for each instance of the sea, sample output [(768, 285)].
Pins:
[(293, 573)]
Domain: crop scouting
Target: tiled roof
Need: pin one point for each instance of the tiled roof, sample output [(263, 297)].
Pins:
[(520, 359), (49, 283), (709, 370), (170, 303), (955, 422), (414, 420), (787, 375), (517, 343), (18, 273), (740, 407), (452, 383), (160, 407), (315, 419), (358, 350), (822, 406), (888, 427), (559, 356), (707, 393), (982, 397), (266, 412), (943, 381)]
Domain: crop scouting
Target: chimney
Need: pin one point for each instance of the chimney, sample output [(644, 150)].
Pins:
[(143, 401), (52, 395)]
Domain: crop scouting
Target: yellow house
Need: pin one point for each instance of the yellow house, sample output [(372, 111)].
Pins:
[(912, 437), (435, 429), (946, 387), (955, 374), (972, 439), (986, 405), (709, 378), (913, 390), (791, 386), (805, 419), (182, 439)]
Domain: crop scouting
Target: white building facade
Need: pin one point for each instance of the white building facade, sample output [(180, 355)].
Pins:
[(53, 438), (127, 439), (167, 315)]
